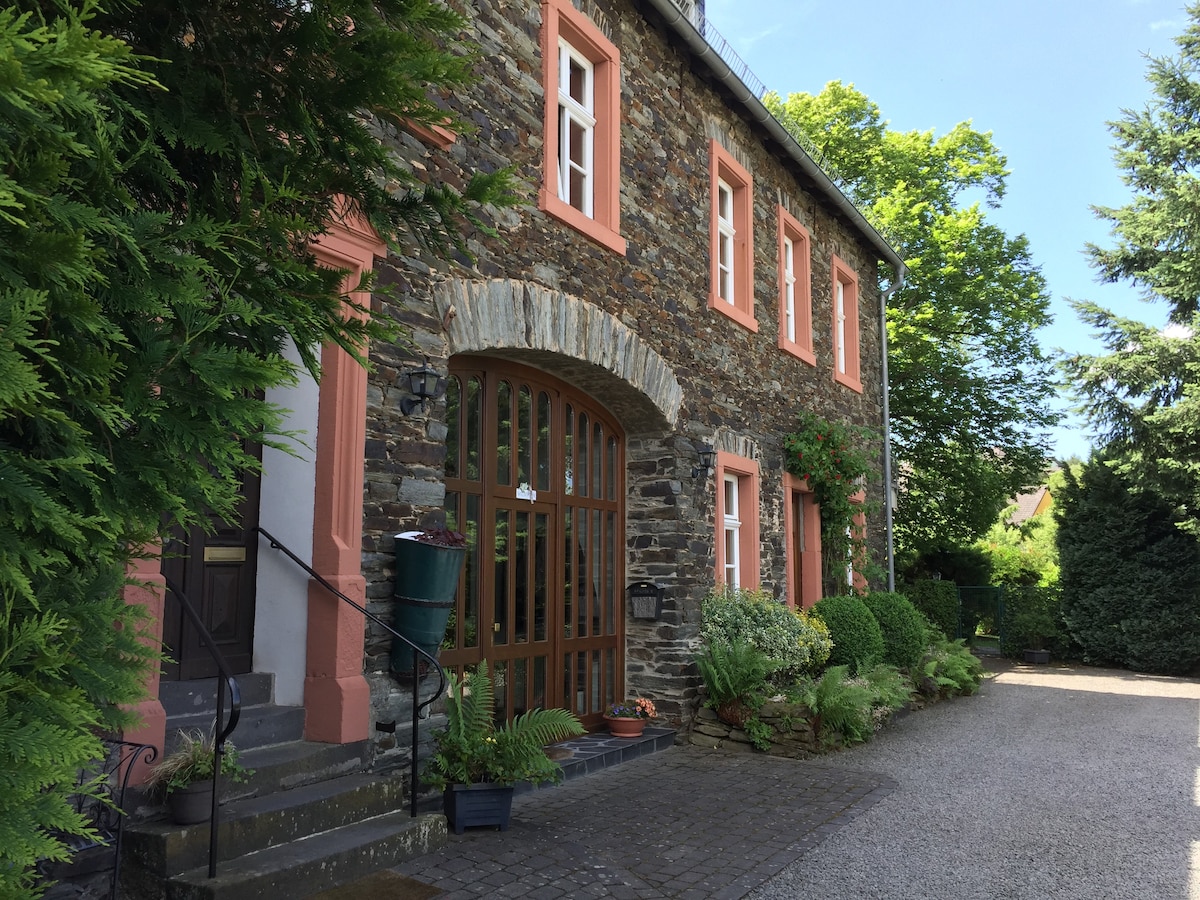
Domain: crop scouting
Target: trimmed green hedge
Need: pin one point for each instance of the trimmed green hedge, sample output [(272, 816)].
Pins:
[(938, 600), (857, 637), (905, 635), (1032, 620)]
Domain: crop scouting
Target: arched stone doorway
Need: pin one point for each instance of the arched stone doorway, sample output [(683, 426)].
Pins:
[(535, 478)]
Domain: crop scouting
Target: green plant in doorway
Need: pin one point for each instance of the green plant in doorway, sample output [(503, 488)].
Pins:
[(830, 457)]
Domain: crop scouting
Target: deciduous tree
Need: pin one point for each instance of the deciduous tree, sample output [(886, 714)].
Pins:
[(970, 385)]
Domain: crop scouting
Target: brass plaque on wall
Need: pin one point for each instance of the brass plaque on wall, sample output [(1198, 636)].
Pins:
[(224, 554)]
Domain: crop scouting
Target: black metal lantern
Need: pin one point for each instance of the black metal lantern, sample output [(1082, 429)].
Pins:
[(424, 384), (708, 461)]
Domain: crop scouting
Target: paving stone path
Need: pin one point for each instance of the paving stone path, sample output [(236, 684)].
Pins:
[(686, 823)]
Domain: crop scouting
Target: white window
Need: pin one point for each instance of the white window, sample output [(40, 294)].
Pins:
[(733, 533), (576, 128), (725, 237), (789, 289), (840, 311)]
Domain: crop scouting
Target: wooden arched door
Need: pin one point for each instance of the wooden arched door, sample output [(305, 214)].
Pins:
[(535, 479)]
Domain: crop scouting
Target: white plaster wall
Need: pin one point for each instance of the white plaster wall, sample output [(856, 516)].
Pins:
[(288, 488)]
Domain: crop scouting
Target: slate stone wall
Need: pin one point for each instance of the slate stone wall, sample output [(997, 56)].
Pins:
[(674, 372)]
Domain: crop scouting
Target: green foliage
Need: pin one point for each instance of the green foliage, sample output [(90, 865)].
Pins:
[(735, 672), (1128, 574), (964, 326), (1140, 393), (904, 628), (857, 637), (163, 171), (759, 732), (831, 458), (890, 688), (839, 704), (938, 601), (948, 669), (1032, 619), (472, 749), (192, 761), (800, 642)]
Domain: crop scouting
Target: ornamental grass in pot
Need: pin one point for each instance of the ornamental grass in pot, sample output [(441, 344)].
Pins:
[(476, 761), (185, 776)]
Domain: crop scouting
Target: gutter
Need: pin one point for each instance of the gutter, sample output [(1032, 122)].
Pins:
[(887, 431), (757, 112), (700, 48)]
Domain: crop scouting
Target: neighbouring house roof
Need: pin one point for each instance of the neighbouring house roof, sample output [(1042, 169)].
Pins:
[(685, 20), (1030, 504)]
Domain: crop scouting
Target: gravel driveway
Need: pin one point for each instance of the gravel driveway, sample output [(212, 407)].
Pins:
[(1052, 782)]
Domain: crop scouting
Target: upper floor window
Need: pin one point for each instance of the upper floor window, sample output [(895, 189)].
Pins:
[(795, 289), (732, 242), (581, 166), (845, 327)]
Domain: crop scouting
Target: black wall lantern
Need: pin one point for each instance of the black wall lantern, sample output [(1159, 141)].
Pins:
[(708, 461), (424, 384)]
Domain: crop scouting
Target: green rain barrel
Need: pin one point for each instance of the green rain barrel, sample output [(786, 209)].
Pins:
[(426, 583)]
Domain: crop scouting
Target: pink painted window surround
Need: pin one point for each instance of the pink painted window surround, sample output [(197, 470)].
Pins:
[(581, 164), (437, 135), (795, 289), (846, 369), (731, 238), (737, 551), (802, 542)]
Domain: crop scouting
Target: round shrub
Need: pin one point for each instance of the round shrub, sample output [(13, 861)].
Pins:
[(799, 641), (938, 600), (903, 627), (857, 638)]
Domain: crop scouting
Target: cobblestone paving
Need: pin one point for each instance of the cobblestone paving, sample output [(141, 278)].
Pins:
[(686, 823)]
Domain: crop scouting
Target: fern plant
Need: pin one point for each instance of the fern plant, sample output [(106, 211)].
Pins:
[(736, 676), (839, 704), (473, 749)]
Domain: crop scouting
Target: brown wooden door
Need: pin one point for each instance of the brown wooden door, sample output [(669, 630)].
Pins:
[(217, 570), (534, 478)]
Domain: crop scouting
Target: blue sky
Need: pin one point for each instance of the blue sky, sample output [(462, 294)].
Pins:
[(1044, 76)]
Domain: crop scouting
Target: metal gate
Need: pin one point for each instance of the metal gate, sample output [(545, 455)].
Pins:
[(981, 616)]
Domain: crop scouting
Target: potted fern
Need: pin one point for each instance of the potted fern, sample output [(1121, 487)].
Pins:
[(476, 762)]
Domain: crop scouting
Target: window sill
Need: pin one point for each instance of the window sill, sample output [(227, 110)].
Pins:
[(595, 231), (743, 318), (799, 351)]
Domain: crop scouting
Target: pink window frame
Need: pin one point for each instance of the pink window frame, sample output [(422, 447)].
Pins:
[(747, 472), (561, 19), (723, 167), (844, 275), (802, 347)]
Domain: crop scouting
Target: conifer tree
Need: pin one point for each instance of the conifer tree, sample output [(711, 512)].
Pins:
[(163, 170), (1142, 394)]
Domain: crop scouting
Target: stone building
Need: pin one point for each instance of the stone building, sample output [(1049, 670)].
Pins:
[(678, 275)]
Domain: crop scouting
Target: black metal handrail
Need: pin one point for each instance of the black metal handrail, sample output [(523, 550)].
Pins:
[(276, 544), (235, 713)]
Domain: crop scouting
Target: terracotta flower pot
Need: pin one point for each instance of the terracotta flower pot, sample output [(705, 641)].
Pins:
[(625, 727)]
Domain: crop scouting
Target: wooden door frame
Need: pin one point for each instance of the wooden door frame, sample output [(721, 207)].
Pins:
[(493, 496)]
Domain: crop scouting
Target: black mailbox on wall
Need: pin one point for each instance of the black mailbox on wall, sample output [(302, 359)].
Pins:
[(646, 599)]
